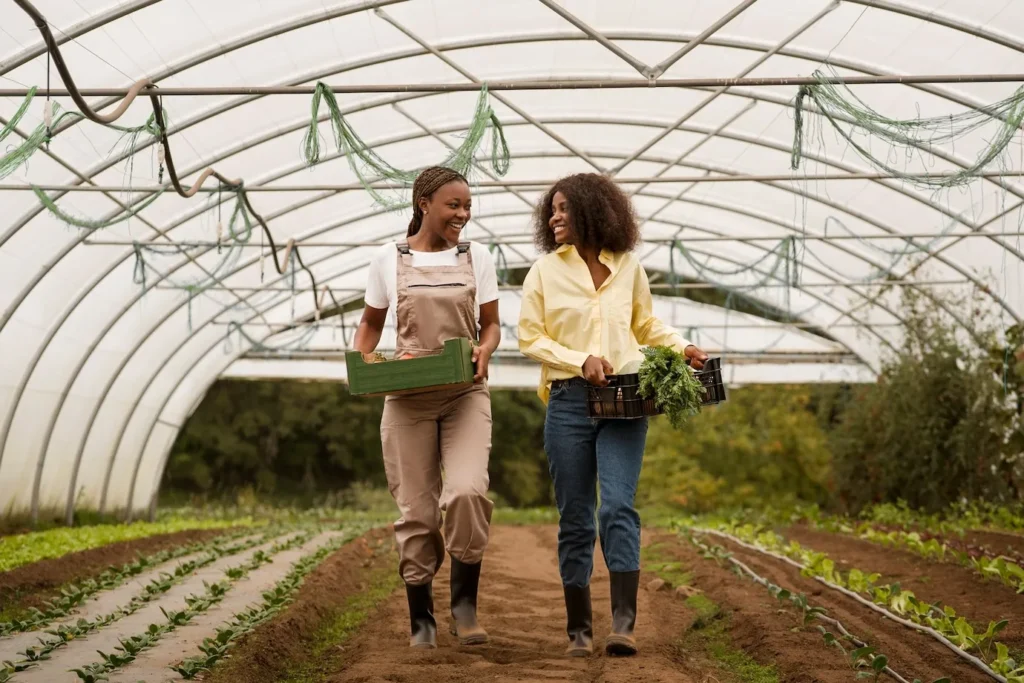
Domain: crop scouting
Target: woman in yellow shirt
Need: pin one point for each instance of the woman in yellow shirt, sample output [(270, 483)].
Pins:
[(586, 312)]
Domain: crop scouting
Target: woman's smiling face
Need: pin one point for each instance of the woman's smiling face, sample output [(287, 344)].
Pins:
[(559, 222)]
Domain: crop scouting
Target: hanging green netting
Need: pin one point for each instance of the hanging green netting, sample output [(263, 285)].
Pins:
[(53, 118), (300, 341), (835, 101), (370, 166), (89, 223)]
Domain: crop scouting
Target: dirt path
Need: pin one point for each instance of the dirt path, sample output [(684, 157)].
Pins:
[(521, 605), (973, 597)]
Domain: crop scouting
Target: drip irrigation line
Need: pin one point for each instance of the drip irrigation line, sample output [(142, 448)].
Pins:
[(236, 185), (971, 659), (835, 623)]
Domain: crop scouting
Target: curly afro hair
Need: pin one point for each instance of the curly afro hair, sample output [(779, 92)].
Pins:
[(600, 214)]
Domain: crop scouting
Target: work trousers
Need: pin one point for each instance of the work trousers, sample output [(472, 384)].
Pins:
[(436, 448), (584, 455)]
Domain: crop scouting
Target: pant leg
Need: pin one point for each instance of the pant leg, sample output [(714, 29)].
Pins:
[(569, 444), (465, 433), (620, 454), (412, 464)]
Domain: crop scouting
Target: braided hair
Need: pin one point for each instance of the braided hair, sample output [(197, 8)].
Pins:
[(429, 181)]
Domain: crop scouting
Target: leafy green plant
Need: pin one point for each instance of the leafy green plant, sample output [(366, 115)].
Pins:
[(890, 597), (40, 545), (666, 377)]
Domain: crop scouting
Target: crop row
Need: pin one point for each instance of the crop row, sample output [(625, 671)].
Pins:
[(900, 604), (130, 648), (72, 596), (65, 633), (274, 600), (41, 545), (866, 661)]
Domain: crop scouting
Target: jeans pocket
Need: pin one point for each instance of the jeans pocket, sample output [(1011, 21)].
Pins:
[(557, 390)]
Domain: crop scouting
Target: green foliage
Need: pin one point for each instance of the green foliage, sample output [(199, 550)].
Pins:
[(32, 547), (761, 447), (937, 426), (314, 443), (665, 376)]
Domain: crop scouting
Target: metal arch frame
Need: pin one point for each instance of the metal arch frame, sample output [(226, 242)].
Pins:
[(85, 358), (471, 43), (199, 359), (933, 205), (463, 44), (71, 308)]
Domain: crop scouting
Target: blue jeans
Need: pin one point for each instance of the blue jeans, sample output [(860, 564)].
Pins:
[(584, 453)]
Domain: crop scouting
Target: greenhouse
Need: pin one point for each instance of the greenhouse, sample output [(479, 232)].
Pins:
[(194, 193)]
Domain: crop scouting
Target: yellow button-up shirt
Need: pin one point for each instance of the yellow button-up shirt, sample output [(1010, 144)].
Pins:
[(564, 320)]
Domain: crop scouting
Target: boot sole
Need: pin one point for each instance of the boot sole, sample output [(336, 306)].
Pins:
[(579, 652), (619, 646)]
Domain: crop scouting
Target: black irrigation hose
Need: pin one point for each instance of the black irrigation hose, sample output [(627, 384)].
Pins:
[(234, 185)]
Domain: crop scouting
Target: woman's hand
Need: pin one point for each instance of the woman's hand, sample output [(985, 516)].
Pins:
[(696, 356), (595, 369), (482, 360)]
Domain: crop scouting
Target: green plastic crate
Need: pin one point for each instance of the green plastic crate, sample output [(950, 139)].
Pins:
[(450, 369)]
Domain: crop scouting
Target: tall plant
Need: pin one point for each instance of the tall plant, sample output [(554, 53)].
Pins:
[(937, 427)]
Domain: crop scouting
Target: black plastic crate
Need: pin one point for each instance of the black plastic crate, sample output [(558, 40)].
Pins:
[(620, 400)]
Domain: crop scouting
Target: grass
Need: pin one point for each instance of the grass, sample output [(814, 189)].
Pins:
[(711, 636), (709, 633), (22, 549), (338, 629)]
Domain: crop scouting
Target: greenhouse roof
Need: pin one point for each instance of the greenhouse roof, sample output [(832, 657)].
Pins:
[(773, 209)]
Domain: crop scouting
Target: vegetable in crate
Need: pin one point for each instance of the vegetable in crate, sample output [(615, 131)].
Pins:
[(666, 377)]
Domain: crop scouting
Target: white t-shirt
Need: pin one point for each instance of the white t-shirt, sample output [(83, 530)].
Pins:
[(382, 280)]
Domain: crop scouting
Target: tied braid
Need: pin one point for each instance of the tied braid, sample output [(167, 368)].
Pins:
[(429, 181)]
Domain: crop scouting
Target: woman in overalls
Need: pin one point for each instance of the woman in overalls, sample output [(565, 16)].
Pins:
[(440, 288), (586, 312)]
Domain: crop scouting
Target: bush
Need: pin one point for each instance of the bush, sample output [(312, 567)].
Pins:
[(937, 427), (761, 447)]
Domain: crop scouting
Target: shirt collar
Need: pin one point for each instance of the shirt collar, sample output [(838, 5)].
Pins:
[(606, 256)]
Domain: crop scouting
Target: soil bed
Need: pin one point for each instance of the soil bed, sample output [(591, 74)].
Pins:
[(976, 599), (29, 585)]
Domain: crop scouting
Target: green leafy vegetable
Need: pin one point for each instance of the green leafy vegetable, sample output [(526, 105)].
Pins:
[(665, 377)]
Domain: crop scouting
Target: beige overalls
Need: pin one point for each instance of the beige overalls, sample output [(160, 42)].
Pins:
[(434, 431)]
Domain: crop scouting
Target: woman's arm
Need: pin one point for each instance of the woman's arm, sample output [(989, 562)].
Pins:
[(371, 325), (490, 337), (534, 341), (649, 330)]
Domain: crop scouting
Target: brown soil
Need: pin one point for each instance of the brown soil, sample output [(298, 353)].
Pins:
[(521, 605), (910, 653), (757, 623), (997, 543), (266, 654), (31, 584), (978, 600)]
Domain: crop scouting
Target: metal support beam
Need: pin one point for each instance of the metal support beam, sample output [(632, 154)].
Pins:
[(477, 83), (507, 240), (656, 286), (639, 66), (699, 40), (542, 183), (724, 88), (554, 84)]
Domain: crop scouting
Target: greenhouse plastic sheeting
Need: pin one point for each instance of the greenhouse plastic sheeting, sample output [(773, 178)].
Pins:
[(100, 369)]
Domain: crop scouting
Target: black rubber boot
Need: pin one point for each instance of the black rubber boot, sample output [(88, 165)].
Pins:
[(465, 585), (624, 587), (579, 621), (421, 616)]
